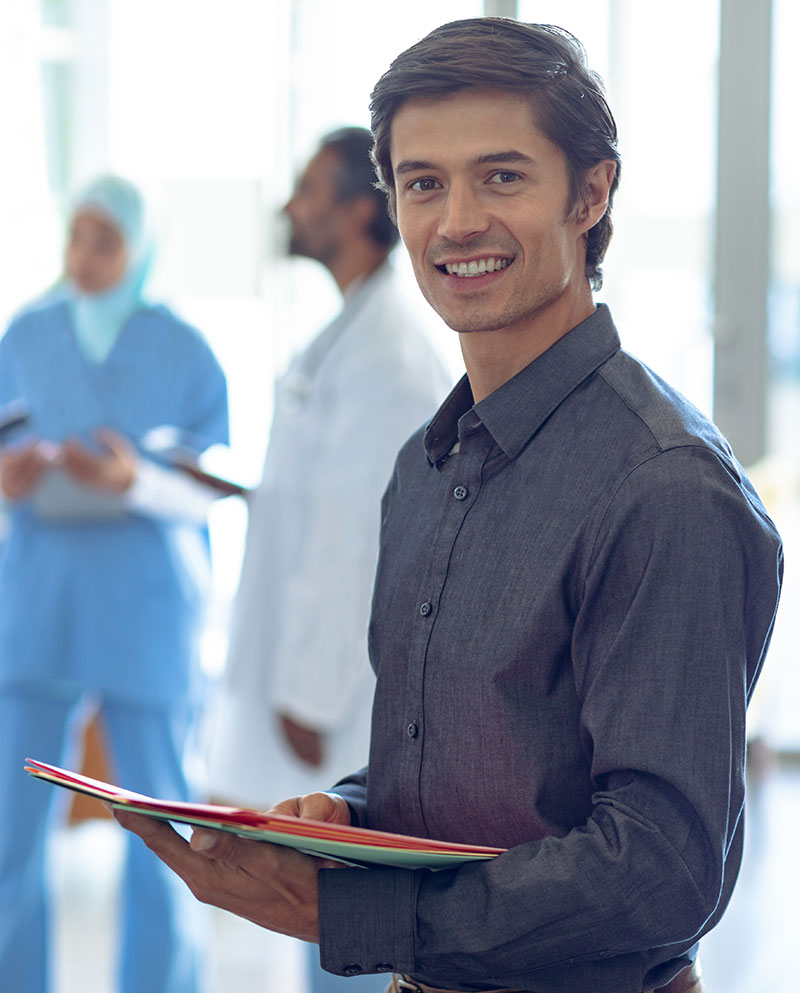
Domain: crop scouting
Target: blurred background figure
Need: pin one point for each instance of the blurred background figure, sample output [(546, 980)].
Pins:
[(296, 696), (103, 574)]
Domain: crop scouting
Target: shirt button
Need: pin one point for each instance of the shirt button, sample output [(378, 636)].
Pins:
[(425, 608), (412, 729), (461, 493), (352, 970), (384, 967)]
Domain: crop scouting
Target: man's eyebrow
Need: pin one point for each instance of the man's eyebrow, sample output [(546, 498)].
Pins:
[(509, 157), (412, 165)]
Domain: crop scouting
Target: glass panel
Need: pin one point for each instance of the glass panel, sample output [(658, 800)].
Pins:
[(57, 13), (780, 689), (58, 105), (30, 242), (338, 56), (664, 208)]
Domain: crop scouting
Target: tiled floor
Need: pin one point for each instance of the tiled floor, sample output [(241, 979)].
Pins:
[(753, 950)]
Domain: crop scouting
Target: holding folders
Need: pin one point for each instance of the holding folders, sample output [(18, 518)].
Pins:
[(352, 845)]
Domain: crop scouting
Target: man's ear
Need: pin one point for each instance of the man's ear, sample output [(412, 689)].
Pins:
[(597, 185)]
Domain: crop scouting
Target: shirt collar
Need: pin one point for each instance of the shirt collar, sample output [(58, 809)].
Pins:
[(516, 411)]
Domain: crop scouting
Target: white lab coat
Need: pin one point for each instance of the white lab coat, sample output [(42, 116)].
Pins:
[(299, 629)]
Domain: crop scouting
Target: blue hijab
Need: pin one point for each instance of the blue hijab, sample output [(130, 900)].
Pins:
[(98, 318)]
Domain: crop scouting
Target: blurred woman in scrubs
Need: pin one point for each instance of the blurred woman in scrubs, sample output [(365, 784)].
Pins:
[(102, 576)]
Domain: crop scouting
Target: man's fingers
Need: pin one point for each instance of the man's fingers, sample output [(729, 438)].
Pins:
[(328, 807), (324, 807), (160, 837), (316, 807), (289, 807), (198, 867), (272, 886), (187, 858), (151, 830), (220, 845)]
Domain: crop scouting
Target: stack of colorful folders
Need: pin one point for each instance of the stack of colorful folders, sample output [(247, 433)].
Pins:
[(352, 845)]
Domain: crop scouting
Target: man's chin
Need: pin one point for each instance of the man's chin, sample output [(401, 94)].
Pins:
[(473, 323)]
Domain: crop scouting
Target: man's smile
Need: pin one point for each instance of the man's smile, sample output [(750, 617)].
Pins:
[(475, 267)]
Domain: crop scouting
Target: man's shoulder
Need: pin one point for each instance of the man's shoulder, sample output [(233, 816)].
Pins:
[(673, 452), (656, 407)]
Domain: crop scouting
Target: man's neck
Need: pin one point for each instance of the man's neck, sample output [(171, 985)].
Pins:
[(492, 358)]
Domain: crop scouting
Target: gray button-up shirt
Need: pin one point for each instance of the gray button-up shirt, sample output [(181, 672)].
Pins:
[(576, 589)]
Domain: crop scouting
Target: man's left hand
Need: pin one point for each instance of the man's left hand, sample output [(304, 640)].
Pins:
[(273, 886)]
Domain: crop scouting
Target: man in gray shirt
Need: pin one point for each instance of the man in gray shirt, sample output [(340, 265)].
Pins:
[(576, 588)]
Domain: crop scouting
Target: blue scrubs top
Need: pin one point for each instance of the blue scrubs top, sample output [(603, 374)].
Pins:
[(114, 603)]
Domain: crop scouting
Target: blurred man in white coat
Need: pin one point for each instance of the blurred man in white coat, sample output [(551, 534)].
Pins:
[(294, 708)]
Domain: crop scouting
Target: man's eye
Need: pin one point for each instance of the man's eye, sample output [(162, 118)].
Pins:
[(504, 176), (425, 185)]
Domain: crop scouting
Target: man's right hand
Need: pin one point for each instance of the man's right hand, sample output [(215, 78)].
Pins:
[(21, 469)]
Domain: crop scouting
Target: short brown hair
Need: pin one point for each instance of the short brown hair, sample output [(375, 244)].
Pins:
[(542, 61)]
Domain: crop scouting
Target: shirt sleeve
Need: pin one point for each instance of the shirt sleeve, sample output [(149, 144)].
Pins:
[(159, 491), (354, 790), (678, 595)]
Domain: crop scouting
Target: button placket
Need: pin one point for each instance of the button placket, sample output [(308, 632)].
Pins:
[(458, 496)]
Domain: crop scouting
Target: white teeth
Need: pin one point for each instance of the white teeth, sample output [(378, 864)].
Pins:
[(476, 268)]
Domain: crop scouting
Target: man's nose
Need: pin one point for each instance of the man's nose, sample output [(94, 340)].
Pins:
[(463, 215)]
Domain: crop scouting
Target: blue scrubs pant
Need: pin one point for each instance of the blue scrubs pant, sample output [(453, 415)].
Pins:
[(161, 921)]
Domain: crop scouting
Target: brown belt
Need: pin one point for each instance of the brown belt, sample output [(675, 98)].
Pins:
[(687, 981)]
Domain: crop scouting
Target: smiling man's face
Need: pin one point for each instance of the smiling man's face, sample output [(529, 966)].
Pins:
[(482, 198)]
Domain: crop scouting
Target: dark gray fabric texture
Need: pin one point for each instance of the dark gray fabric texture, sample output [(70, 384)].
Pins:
[(571, 610)]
